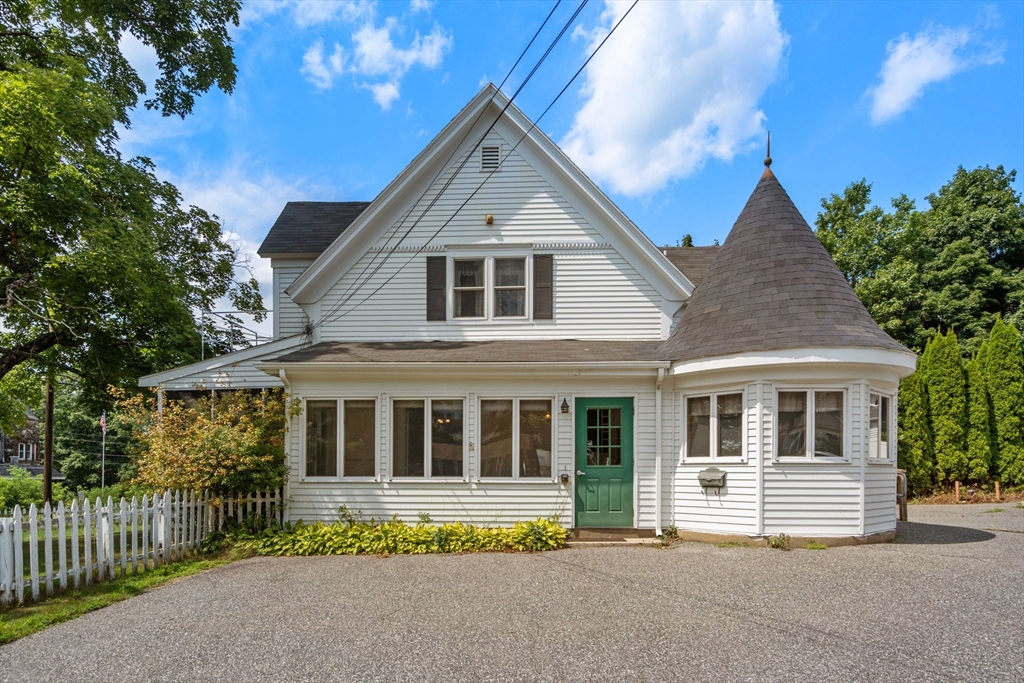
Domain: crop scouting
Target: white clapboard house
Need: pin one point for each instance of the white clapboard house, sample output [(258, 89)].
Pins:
[(491, 339)]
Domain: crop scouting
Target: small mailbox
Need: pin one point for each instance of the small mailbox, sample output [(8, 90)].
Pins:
[(712, 478)]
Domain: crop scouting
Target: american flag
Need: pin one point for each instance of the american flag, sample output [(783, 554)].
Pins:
[(103, 423)]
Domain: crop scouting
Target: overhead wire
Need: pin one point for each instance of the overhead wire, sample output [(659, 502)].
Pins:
[(491, 173), (353, 289)]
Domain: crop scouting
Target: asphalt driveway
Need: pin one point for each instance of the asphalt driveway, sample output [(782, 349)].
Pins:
[(946, 602)]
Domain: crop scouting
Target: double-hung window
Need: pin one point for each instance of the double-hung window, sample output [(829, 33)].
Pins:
[(24, 451), (355, 431), (427, 438), (489, 288), (810, 424), (468, 288), (515, 438), (879, 427), (714, 426)]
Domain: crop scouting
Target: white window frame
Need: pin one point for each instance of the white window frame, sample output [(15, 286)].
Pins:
[(488, 288), (428, 444), (480, 156), (685, 456), (810, 456), (24, 451), (891, 445), (340, 438), (515, 436)]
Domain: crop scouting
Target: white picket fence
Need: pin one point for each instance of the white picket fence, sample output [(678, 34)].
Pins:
[(107, 541)]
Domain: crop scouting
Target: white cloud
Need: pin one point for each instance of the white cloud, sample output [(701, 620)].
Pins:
[(912, 64), (677, 84), (420, 6), (143, 59), (320, 72), (384, 94), (306, 13)]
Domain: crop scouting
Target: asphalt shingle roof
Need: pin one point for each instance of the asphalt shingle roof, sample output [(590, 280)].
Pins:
[(771, 287), (500, 351), (309, 227), (693, 262)]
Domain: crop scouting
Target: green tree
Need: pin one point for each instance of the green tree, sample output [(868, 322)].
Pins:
[(1004, 369), (947, 404), (915, 453), (957, 264), (979, 429), (101, 266)]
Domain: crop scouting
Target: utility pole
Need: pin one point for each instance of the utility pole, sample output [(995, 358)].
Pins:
[(48, 448)]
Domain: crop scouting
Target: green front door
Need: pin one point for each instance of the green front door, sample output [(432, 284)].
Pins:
[(604, 462)]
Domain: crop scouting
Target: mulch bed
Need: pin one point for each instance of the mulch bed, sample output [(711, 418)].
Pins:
[(969, 494)]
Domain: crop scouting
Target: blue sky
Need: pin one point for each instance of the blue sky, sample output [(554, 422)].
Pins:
[(333, 99)]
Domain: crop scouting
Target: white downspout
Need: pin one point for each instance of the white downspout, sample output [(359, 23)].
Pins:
[(287, 456), (657, 452)]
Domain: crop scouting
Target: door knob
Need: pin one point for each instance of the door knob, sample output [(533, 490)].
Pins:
[(580, 473)]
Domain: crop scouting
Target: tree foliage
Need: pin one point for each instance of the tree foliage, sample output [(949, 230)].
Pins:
[(101, 265), (956, 265), (233, 443), (915, 453), (1004, 369), (947, 402), (979, 426)]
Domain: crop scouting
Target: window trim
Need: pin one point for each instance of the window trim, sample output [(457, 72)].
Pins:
[(455, 289), (24, 451), (685, 457), (810, 456), (488, 258), (891, 446), (428, 443), (340, 449), (515, 437)]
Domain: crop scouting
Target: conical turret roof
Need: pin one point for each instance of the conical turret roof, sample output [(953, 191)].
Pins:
[(773, 287)]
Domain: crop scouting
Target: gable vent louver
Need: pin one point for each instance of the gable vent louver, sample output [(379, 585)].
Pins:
[(490, 158)]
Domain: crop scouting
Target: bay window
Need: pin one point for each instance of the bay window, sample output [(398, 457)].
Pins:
[(879, 422), (810, 424), (714, 426)]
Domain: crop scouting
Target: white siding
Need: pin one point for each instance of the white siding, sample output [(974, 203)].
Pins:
[(288, 317), (880, 498), (597, 293)]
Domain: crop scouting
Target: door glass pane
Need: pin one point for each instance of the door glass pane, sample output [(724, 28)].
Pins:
[(792, 423), (604, 436), (321, 438), (828, 423), (408, 439), (469, 303), (446, 438), (495, 438), (873, 426), (698, 427), (730, 425), (360, 430), (509, 303), (535, 438), (469, 273), (509, 272)]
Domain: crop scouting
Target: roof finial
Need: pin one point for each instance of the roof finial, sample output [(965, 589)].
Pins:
[(768, 157)]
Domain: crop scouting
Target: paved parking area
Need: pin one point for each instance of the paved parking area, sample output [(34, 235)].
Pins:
[(943, 603)]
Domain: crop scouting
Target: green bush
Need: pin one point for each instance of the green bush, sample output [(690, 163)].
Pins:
[(915, 454), (1005, 375), (979, 430), (395, 537), (21, 488), (947, 400)]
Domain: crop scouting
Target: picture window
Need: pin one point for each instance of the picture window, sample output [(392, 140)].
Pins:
[(714, 426)]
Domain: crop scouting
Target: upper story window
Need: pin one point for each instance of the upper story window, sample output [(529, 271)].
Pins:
[(810, 424), (879, 422), (714, 426), (505, 287)]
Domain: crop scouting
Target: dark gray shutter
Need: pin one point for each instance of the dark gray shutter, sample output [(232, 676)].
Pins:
[(437, 276), (543, 267)]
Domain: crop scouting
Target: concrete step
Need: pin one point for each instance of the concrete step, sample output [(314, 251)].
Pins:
[(609, 534)]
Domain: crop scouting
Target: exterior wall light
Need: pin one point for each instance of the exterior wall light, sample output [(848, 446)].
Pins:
[(565, 407)]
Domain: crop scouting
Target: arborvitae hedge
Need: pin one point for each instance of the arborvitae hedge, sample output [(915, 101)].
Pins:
[(1004, 369), (947, 402), (979, 431), (915, 453)]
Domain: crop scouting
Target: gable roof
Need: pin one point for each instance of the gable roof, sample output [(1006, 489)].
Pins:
[(693, 262), (773, 286), (307, 228), (382, 212)]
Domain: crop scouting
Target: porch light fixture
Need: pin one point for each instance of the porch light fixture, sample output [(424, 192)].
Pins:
[(565, 407)]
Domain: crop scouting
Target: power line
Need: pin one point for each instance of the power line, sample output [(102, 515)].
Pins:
[(359, 285), (491, 173)]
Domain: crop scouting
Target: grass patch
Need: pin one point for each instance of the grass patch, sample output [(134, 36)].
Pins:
[(733, 544), (1020, 504), (19, 622), (814, 545), (995, 510)]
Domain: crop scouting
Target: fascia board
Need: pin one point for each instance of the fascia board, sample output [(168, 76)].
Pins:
[(329, 266), (276, 346), (670, 282), (432, 368), (905, 363)]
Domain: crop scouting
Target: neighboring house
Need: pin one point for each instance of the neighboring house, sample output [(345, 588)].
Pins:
[(530, 353), (23, 445)]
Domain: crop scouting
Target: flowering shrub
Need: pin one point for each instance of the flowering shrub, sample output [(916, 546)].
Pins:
[(396, 537), (231, 443)]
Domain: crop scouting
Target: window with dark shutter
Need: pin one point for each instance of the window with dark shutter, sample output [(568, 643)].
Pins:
[(543, 267), (437, 275)]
